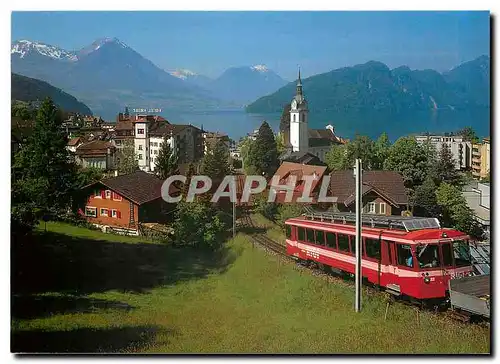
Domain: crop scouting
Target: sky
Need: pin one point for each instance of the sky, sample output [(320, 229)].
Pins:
[(210, 42)]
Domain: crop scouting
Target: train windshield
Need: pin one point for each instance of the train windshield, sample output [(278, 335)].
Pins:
[(461, 252), (428, 256)]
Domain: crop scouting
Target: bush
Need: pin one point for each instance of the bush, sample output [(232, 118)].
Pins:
[(199, 224), (288, 211), (267, 209)]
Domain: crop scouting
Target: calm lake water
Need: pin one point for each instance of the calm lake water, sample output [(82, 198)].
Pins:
[(238, 123)]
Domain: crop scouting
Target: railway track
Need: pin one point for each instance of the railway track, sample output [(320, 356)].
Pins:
[(264, 240), (346, 279)]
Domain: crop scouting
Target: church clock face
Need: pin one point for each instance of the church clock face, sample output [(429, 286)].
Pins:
[(294, 104)]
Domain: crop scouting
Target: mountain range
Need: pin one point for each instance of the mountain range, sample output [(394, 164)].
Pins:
[(108, 75), (373, 86), (33, 90)]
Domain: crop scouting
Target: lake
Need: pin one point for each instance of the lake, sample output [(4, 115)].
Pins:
[(238, 123)]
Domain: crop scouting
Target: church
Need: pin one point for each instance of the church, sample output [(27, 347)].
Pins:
[(298, 138)]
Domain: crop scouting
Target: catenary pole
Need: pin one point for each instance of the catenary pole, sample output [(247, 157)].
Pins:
[(358, 277)]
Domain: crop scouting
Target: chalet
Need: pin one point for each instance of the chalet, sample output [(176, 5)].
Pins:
[(383, 192), (123, 202), (74, 143), (98, 154), (286, 172)]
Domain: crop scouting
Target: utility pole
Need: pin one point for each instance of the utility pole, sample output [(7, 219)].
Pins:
[(234, 219), (359, 205)]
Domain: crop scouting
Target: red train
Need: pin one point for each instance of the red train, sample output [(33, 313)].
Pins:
[(409, 256)]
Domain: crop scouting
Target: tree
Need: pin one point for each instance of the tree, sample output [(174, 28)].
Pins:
[(43, 171), (166, 163), (381, 151), (408, 158), (455, 211), (198, 224), (336, 157), (215, 164), (245, 145), (128, 161), (191, 171), (263, 153), (469, 134), (444, 170), (280, 144), (424, 199), (361, 147)]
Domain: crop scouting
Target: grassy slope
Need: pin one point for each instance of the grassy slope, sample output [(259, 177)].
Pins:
[(248, 303)]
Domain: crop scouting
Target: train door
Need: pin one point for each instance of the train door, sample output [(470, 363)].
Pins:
[(392, 274)]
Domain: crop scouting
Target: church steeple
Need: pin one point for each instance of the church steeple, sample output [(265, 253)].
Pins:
[(299, 85)]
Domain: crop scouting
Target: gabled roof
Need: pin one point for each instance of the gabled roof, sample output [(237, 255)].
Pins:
[(74, 141), (96, 147), (388, 184), (288, 169), (139, 187)]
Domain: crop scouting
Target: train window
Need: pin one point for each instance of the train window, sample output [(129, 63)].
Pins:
[(302, 234), (428, 255), (353, 245), (343, 241), (372, 248), (331, 241), (310, 236), (461, 251), (288, 229), (320, 237), (389, 251), (404, 255), (447, 254)]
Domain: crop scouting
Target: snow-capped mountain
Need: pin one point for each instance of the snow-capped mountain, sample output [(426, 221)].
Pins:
[(107, 75), (183, 74), (98, 44), (260, 68), (246, 84), (24, 48)]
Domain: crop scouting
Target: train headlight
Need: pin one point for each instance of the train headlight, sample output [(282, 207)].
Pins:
[(427, 280)]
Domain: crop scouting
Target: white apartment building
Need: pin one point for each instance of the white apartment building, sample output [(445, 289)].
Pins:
[(461, 150)]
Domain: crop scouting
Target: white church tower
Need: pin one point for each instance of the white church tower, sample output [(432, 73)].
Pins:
[(299, 136)]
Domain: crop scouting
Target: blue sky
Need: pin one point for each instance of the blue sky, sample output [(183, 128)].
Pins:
[(210, 42)]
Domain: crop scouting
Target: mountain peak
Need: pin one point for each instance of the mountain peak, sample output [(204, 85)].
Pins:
[(182, 73), (98, 43), (26, 47), (260, 68)]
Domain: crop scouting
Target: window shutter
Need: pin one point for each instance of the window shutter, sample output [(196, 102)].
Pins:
[(103, 194), (118, 214)]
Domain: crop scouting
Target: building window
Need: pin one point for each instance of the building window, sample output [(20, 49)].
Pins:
[(117, 197), (113, 213), (155, 144), (140, 146), (108, 194), (140, 131), (294, 117), (155, 151), (91, 211), (371, 207), (103, 212), (382, 208), (97, 194), (139, 156)]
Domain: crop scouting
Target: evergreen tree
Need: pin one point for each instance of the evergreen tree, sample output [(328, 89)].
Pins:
[(191, 171), (444, 170), (381, 151), (424, 199), (43, 171), (166, 163), (128, 159), (263, 153), (215, 164)]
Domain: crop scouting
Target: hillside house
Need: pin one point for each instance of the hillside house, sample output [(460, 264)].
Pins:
[(123, 202)]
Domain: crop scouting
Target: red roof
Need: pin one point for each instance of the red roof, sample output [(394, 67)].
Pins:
[(288, 169)]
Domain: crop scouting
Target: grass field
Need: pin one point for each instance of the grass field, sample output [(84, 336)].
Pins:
[(77, 290)]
